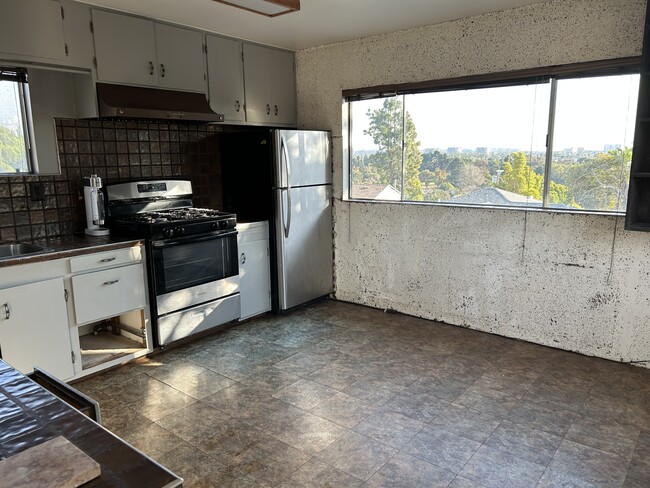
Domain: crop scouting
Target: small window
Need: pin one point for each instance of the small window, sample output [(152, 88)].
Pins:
[(15, 126)]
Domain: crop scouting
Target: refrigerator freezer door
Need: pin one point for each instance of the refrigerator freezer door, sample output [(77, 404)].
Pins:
[(305, 256), (303, 158)]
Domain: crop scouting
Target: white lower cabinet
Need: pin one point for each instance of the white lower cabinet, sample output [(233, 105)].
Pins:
[(254, 268), (109, 318), (34, 328), (74, 317)]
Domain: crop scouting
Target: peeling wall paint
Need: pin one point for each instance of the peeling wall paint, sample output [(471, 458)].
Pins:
[(573, 281)]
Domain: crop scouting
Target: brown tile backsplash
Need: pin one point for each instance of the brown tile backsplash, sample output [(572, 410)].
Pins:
[(116, 151)]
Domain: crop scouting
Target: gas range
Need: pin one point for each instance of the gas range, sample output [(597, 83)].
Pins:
[(192, 255)]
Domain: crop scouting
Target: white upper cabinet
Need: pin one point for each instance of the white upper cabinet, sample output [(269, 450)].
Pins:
[(137, 51), (78, 36), (270, 86), (125, 49), (181, 61), (226, 78), (32, 30)]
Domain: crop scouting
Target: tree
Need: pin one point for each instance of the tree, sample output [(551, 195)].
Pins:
[(600, 182), (389, 127), (520, 178), (12, 151)]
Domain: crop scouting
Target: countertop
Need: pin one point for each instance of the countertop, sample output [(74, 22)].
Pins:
[(71, 246), (31, 415)]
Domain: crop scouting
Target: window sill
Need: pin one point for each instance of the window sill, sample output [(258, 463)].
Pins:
[(491, 207)]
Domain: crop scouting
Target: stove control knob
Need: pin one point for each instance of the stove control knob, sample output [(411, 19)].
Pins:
[(168, 232), (213, 226), (180, 231), (223, 224)]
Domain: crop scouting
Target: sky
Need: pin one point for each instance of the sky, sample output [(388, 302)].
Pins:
[(590, 113), (10, 106)]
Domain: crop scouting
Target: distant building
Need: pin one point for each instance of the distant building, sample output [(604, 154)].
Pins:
[(454, 150), (376, 192), (612, 147), (483, 151), (496, 196)]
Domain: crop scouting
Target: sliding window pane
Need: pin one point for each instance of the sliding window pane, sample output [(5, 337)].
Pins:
[(376, 140), (592, 143), (482, 146), (13, 150)]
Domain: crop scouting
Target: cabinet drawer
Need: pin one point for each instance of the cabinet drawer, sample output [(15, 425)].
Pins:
[(108, 293), (106, 259)]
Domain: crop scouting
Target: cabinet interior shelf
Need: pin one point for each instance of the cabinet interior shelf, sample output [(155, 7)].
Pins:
[(641, 174), (105, 346)]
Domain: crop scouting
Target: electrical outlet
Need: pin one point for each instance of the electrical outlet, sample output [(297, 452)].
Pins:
[(37, 191)]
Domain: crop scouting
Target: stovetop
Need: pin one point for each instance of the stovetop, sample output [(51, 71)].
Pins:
[(177, 215), (173, 223)]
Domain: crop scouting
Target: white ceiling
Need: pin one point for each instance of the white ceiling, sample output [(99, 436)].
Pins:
[(319, 22)]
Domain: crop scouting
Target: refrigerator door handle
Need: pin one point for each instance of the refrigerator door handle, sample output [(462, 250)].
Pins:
[(283, 146)]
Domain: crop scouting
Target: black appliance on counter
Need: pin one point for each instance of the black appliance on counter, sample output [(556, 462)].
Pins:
[(192, 257)]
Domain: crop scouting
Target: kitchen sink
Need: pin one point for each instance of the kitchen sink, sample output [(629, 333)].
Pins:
[(19, 249)]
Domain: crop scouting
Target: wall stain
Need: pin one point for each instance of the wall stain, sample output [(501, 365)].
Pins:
[(574, 265), (601, 299)]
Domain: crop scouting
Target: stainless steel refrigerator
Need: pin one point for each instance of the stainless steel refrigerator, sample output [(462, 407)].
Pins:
[(285, 177), (302, 196)]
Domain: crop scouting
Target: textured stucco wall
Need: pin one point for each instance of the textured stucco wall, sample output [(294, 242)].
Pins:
[(577, 282)]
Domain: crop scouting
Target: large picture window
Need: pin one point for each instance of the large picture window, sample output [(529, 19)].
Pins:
[(550, 142)]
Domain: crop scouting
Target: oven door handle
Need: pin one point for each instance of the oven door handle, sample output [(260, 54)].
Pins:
[(190, 239)]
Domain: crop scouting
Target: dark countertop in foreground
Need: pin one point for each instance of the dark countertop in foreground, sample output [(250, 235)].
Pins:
[(66, 247), (31, 415)]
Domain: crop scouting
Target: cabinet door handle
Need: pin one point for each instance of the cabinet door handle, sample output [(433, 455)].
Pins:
[(110, 282), (268, 109), (276, 110), (237, 106), (6, 310), (243, 258), (151, 68), (162, 70), (107, 260)]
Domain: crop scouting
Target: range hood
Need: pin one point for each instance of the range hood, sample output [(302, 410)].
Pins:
[(132, 102)]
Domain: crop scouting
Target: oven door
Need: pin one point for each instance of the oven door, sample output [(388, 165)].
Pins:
[(187, 262)]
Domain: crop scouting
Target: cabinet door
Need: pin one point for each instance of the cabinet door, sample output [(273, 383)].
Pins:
[(270, 85), (226, 78), (257, 65), (181, 64), (78, 36), (32, 28), (254, 278), (125, 49), (34, 328), (282, 84)]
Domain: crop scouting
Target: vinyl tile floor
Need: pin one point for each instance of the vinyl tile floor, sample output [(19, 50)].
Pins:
[(340, 395)]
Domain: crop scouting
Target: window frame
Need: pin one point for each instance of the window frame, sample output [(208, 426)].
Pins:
[(20, 77), (610, 67)]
